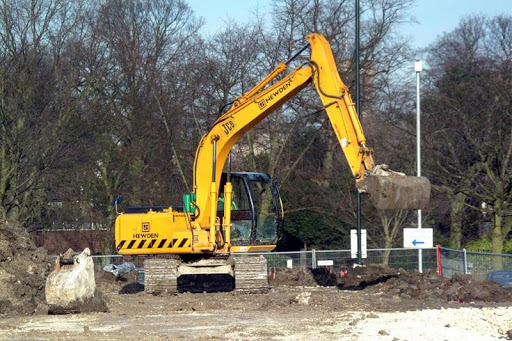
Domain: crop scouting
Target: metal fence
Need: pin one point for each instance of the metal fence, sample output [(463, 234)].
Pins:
[(478, 264), (395, 258), (447, 261)]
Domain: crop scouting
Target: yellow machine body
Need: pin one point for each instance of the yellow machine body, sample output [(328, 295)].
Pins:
[(167, 232)]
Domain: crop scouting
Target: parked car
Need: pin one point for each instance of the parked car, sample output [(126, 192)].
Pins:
[(503, 277)]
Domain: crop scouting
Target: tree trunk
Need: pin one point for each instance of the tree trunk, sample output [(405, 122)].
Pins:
[(328, 159), (388, 244), (3, 165), (458, 201), (391, 223), (497, 236)]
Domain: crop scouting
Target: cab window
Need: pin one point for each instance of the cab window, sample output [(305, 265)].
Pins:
[(240, 200)]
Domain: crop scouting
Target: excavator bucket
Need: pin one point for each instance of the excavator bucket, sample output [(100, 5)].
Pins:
[(71, 283), (390, 190)]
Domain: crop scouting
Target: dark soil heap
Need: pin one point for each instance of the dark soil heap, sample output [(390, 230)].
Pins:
[(391, 283), (423, 286), (303, 277), (106, 283), (23, 272), (460, 288), (292, 277), (365, 276)]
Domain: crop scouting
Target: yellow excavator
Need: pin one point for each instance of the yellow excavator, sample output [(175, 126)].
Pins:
[(241, 211)]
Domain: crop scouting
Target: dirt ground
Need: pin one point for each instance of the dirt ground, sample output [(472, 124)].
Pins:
[(359, 307), (373, 302), (23, 272)]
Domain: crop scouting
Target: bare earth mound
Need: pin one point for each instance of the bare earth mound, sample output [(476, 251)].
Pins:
[(429, 286), (303, 277), (423, 286), (361, 277), (390, 283), (23, 272)]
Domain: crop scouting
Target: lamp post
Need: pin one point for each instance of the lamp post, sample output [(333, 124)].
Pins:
[(358, 109), (418, 67)]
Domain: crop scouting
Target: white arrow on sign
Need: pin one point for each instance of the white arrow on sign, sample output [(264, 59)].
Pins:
[(418, 238)]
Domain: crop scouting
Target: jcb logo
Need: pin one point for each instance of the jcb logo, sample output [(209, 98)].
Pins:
[(228, 127), (262, 104), (145, 227)]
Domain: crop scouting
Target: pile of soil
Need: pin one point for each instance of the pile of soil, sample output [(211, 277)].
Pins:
[(303, 277), (460, 288), (364, 276), (423, 286), (356, 278), (23, 272), (107, 283), (392, 283), (292, 277)]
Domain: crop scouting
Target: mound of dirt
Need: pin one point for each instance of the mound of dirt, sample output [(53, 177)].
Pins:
[(106, 283), (24, 269), (361, 277), (303, 277), (23, 272), (392, 283), (292, 277), (422, 286), (460, 288)]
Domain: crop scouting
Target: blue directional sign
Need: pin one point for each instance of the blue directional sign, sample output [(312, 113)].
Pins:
[(417, 242), (418, 238)]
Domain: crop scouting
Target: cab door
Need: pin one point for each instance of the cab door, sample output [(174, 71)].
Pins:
[(242, 216), (256, 209)]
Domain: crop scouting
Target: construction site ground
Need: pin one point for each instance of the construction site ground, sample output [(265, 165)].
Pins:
[(371, 304), (367, 303)]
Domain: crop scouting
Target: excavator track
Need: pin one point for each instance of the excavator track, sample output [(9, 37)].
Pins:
[(251, 275), (161, 275), (250, 272)]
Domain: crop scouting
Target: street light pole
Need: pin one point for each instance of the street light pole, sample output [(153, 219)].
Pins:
[(418, 67), (358, 109)]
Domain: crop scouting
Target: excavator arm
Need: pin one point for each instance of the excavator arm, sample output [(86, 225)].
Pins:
[(270, 94)]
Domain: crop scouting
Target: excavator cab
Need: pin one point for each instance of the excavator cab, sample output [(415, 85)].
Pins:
[(256, 209)]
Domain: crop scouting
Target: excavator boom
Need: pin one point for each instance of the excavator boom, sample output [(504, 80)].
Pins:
[(387, 189)]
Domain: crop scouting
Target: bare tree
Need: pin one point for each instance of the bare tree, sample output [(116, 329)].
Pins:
[(469, 119), (146, 44), (37, 105)]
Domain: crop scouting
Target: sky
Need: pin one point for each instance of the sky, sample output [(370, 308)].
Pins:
[(434, 17)]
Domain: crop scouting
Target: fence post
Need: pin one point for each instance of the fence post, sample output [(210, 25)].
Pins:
[(313, 259), (303, 257), (465, 260), (439, 261)]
